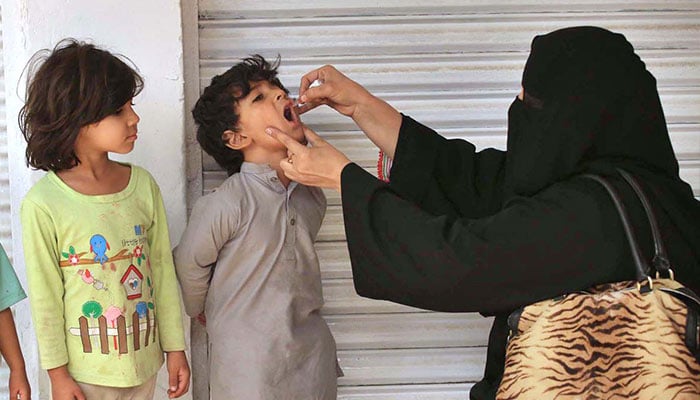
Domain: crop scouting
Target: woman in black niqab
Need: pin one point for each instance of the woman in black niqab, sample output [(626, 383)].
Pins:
[(489, 231), (590, 106)]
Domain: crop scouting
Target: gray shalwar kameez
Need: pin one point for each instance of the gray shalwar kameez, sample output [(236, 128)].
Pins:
[(247, 258)]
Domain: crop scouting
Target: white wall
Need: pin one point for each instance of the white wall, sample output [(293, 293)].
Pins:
[(150, 34)]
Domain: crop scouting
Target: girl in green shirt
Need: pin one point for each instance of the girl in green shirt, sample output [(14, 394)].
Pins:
[(102, 286)]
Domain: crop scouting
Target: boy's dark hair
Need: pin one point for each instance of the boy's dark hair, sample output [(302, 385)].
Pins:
[(215, 111), (74, 85)]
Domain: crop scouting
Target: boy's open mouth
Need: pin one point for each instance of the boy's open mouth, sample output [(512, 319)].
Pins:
[(288, 113)]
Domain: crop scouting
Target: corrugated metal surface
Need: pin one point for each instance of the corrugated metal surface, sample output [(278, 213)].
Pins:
[(455, 66), (5, 223)]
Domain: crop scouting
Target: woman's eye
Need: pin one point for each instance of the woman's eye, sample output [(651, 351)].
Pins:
[(119, 111), (258, 97)]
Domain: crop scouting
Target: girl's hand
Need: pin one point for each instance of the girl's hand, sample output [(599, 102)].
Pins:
[(335, 90), (19, 386), (319, 165), (63, 386), (178, 374)]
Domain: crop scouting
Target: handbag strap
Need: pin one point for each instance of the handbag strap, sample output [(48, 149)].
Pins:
[(660, 262), (642, 266)]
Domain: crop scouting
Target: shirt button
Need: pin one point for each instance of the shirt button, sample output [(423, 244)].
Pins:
[(292, 221), (274, 179)]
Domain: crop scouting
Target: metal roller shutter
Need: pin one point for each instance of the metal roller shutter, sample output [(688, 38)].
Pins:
[(5, 219), (455, 66)]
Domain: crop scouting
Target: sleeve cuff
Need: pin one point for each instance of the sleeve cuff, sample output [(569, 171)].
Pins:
[(383, 166), (170, 349), (52, 363), (357, 183), (11, 299), (358, 189), (414, 159)]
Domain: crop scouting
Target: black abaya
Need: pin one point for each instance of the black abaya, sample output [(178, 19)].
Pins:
[(490, 231)]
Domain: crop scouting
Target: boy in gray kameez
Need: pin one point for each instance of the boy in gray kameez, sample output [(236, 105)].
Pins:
[(247, 258)]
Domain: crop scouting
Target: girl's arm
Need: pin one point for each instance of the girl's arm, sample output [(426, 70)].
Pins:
[(63, 386), (12, 353), (45, 283), (166, 294), (167, 299)]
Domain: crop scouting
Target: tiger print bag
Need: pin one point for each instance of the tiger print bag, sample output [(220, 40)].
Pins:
[(627, 340)]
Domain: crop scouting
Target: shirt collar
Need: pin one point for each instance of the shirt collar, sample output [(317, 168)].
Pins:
[(257, 169), (267, 175)]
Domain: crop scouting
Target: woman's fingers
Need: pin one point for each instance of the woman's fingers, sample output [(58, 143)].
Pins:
[(308, 106), (317, 94), (319, 165), (319, 75), (307, 80), (289, 143), (311, 136), (289, 170)]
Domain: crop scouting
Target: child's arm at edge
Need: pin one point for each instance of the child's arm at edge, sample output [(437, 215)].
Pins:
[(12, 353)]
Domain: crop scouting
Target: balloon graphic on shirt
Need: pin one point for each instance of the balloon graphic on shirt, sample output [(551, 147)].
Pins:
[(141, 309), (92, 309), (111, 315), (99, 246)]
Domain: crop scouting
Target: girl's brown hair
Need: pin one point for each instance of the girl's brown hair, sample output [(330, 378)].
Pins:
[(74, 85)]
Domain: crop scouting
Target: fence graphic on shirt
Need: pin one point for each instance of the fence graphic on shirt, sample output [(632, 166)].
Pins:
[(92, 311)]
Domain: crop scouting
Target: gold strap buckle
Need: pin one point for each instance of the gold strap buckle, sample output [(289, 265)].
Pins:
[(649, 281), (670, 275)]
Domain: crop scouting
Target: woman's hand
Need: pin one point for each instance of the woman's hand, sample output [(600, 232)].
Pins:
[(334, 89), (319, 165), (178, 373), (377, 119)]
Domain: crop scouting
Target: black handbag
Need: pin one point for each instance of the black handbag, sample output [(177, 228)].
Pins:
[(636, 339)]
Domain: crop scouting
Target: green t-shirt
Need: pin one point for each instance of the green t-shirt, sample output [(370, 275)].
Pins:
[(10, 290), (102, 286)]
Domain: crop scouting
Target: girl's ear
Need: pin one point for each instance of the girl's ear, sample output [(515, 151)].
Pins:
[(236, 140)]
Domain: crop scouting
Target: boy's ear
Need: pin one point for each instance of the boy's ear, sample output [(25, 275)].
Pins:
[(236, 140)]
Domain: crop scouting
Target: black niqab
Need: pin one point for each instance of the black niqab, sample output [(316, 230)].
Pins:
[(590, 105)]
